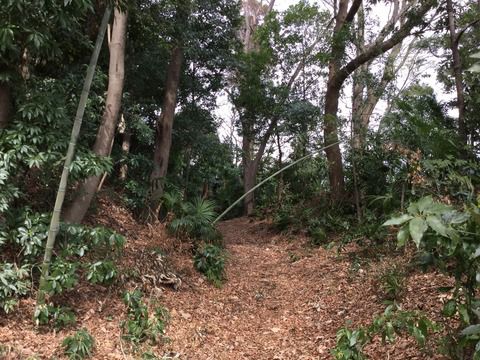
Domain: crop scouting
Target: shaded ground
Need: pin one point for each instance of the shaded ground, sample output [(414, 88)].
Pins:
[(282, 300)]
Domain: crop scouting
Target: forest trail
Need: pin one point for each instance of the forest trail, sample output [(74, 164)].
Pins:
[(282, 300)]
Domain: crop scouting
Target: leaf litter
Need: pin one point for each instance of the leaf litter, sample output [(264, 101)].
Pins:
[(282, 299)]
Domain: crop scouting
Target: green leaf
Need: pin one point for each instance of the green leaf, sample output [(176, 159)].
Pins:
[(398, 220), (464, 316), (437, 225), (424, 203), (419, 336), (455, 217), (471, 330), (417, 227), (402, 236), (413, 209), (450, 308)]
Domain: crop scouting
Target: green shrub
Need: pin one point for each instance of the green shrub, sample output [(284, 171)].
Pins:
[(350, 344), (283, 218), (210, 261), (60, 317), (393, 321), (140, 325), (78, 346), (318, 236), (101, 272), (392, 283), (449, 239), (31, 234), (14, 282), (195, 219), (62, 276), (23, 234)]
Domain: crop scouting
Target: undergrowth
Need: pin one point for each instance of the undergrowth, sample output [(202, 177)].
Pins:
[(210, 259), (140, 325), (393, 322), (79, 346)]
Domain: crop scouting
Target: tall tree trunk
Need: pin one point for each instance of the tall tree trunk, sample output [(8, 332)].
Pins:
[(249, 181), (163, 138), (359, 80), (338, 74), (332, 95), (106, 131), (252, 13), (457, 72), (5, 105), (55, 220), (249, 173), (334, 155)]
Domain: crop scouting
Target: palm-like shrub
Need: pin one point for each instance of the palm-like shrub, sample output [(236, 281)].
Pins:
[(194, 219)]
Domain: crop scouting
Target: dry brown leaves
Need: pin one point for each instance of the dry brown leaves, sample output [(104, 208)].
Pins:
[(282, 300)]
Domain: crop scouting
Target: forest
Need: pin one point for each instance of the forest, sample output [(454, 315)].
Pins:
[(240, 179)]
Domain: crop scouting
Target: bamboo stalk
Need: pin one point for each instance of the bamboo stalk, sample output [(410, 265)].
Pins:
[(270, 177), (55, 220)]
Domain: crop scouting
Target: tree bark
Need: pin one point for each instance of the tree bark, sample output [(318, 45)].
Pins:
[(359, 80), (163, 137), (5, 105), (457, 72), (252, 13), (106, 131), (249, 173)]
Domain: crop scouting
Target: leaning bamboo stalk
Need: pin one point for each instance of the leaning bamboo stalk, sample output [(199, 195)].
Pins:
[(269, 178), (55, 220)]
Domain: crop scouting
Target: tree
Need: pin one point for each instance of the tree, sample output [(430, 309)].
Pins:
[(454, 40), (338, 73), (200, 47), (265, 80), (367, 89), (164, 125), (106, 131)]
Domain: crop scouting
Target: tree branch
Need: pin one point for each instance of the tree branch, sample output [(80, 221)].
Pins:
[(459, 35), (378, 48), (353, 10)]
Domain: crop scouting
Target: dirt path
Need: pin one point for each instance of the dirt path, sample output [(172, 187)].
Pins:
[(283, 300), (273, 307)]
